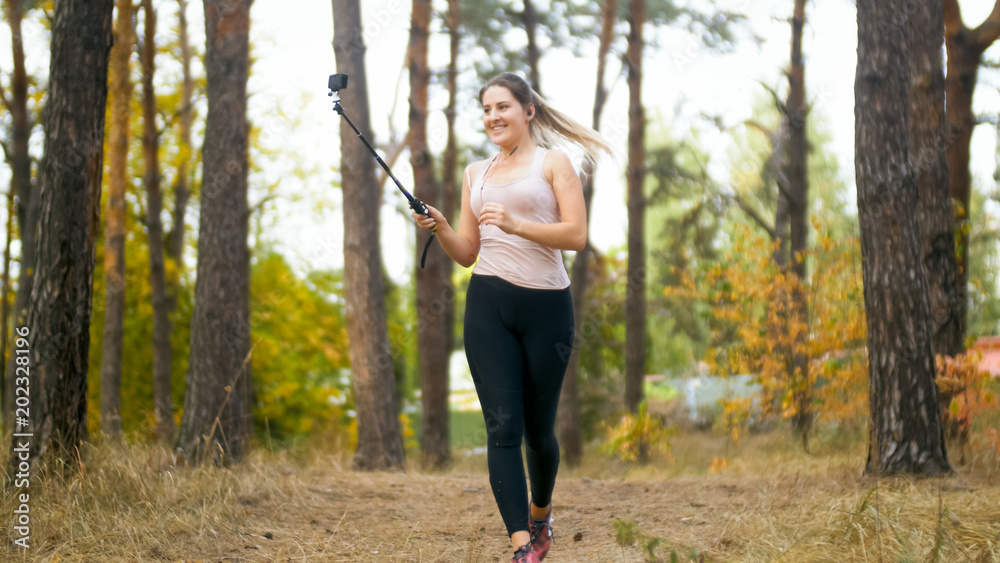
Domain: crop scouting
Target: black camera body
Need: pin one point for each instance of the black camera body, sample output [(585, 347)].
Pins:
[(338, 82)]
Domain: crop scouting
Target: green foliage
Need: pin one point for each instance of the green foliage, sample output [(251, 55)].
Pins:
[(602, 343), (137, 358), (984, 260), (300, 350), (626, 531)]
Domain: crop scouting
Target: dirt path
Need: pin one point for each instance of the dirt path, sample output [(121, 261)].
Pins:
[(392, 517), (331, 514)]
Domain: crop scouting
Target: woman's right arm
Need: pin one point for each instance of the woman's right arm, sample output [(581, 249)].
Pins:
[(462, 246)]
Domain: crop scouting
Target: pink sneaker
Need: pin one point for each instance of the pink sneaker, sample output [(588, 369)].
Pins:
[(525, 554), (541, 534)]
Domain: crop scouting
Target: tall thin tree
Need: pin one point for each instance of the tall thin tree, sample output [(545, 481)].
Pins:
[(905, 427), (114, 231), (182, 185), (58, 318), (569, 400), (25, 191), (216, 421), (163, 409), (797, 175), (380, 443), (635, 293), (965, 47), (432, 292), (450, 182), (929, 160), (529, 16)]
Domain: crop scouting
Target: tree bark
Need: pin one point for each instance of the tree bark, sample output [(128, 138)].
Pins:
[(380, 442), (114, 231), (965, 49), (6, 381), (570, 437), (930, 165), (25, 192), (451, 196), (530, 18), (163, 407), (905, 431), (432, 292), (58, 318), (635, 295), (798, 214), (182, 189), (217, 422)]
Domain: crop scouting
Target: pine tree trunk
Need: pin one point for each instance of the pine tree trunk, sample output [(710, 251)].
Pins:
[(114, 232), (24, 190), (216, 419), (905, 432), (930, 164), (4, 305), (162, 349), (432, 292), (570, 437), (451, 196), (380, 442), (798, 214), (69, 181), (635, 295), (965, 49), (530, 18), (182, 190)]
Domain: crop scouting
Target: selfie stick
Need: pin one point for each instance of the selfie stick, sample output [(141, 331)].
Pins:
[(337, 83)]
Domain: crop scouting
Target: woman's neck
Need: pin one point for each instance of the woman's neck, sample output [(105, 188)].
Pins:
[(525, 145)]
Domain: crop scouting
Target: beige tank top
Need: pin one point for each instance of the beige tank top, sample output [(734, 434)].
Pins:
[(517, 260)]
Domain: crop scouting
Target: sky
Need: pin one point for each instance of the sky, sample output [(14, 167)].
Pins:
[(294, 56), (681, 80)]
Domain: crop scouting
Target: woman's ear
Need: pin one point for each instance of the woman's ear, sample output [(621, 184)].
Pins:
[(531, 110)]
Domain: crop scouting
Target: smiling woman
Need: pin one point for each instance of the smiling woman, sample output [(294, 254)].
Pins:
[(519, 209)]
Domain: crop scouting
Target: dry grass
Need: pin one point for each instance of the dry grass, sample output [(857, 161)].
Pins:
[(772, 503)]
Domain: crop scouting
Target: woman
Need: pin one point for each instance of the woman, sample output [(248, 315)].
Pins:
[(519, 209)]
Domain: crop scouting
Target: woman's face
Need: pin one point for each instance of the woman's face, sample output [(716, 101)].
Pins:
[(504, 118)]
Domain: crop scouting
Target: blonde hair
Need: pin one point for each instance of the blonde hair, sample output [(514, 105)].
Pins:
[(549, 127)]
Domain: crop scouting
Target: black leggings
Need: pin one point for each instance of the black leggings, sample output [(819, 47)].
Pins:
[(518, 341)]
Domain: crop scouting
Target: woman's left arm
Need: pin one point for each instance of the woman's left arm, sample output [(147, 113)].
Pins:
[(568, 234)]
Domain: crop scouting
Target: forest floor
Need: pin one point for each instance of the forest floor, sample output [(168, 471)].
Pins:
[(771, 502)]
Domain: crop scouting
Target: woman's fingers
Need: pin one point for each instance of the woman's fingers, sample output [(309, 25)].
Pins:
[(425, 221)]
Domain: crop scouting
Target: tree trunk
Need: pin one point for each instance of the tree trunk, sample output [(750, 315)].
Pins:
[(930, 165), (6, 385), (432, 292), (216, 419), (58, 319), (798, 214), (905, 432), (635, 294), (530, 18), (114, 232), (25, 192), (965, 49), (570, 437), (380, 442), (451, 196), (182, 190), (162, 350)]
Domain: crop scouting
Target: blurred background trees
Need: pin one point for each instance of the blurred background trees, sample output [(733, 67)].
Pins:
[(743, 265)]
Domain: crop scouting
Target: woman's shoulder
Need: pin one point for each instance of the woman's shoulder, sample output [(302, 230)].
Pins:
[(474, 167), (556, 161)]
